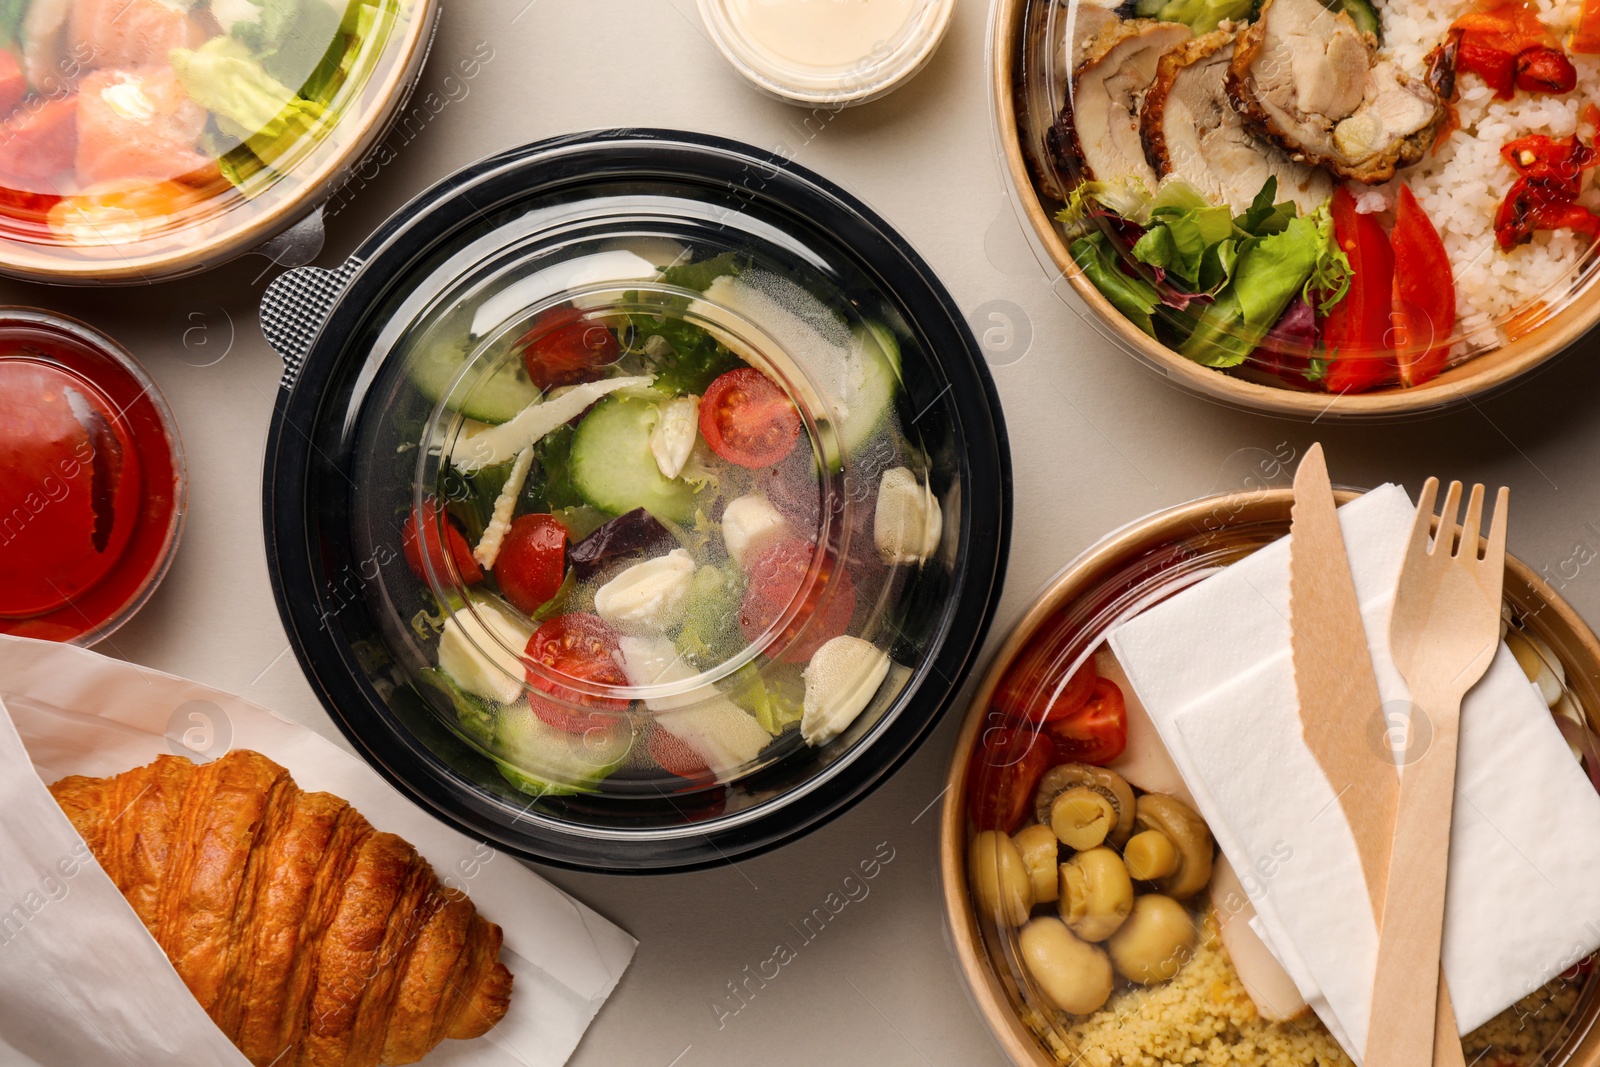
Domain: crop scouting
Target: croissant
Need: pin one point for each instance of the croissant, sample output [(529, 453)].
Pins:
[(311, 939)]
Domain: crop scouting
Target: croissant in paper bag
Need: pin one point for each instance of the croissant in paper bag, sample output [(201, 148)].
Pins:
[(310, 938)]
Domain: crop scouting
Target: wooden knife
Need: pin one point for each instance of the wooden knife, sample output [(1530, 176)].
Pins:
[(1339, 699)]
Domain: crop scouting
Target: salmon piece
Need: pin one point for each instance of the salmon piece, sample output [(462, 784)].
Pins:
[(38, 142), (137, 124), (129, 33), (13, 86)]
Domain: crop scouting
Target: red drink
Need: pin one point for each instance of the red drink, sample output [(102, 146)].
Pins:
[(91, 480)]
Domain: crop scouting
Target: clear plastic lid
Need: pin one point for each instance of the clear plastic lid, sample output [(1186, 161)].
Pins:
[(142, 138), (1406, 237), (92, 484), (652, 504), (1104, 920)]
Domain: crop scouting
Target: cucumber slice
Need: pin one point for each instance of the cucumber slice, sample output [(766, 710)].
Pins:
[(613, 467), (1364, 16), (871, 379), (497, 397), (544, 760)]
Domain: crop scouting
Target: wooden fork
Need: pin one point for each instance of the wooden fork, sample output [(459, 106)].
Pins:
[(1444, 632)]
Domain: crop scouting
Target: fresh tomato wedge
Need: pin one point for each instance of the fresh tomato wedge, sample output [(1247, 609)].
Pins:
[(1034, 689), (40, 141), (422, 528), (1424, 293), (1097, 732), (779, 578), (746, 419), (563, 348), (1356, 332), (532, 561), (584, 648), (1005, 769), (676, 757), (13, 83)]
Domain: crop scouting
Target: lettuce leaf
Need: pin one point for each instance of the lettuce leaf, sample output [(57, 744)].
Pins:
[(1134, 297), (1270, 273), (249, 104)]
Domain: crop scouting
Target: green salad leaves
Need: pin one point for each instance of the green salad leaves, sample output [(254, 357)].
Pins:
[(271, 81), (1232, 275)]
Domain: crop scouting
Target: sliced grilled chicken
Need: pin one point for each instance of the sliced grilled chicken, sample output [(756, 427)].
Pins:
[(1192, 133), (1312, 82), (1043, 75), (1097, 133)]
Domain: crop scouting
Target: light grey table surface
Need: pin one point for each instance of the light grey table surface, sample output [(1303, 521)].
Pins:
[(1097, 440)]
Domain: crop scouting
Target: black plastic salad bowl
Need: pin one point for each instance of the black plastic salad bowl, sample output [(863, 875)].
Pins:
[(573, 341)]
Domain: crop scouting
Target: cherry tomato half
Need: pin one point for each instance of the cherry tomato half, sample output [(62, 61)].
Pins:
[(1005, 769), (779, 576), (426, 520), (584, 648), (532, 561), (563, 348), (1097, 732), (1034, 689), (746, 419), (675, 757)]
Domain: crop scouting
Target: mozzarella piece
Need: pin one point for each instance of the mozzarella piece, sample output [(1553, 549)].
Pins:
[(126, 97), (481, 650), (749, 524), (908, 522), (648, 597), (841, 680), (505, 505), (720, 732), (650, 661), (499, 444), (674, 436)]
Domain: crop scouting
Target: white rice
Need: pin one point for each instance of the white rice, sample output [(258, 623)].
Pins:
[(1462, 185)]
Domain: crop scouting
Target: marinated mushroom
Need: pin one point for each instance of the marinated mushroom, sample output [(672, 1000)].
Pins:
[(1108, 785), (1000, 882), (1073, 975), (1082, 817), (1150, 856), (1155, 942), (1096, 894), (1190, 839), (1041, 856)]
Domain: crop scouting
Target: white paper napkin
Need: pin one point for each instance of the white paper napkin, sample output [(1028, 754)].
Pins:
[(82, 982), (1213, 666)]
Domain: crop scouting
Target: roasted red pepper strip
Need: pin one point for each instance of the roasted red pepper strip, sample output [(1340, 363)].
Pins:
[(1586, 38), (1356, 332), (1510, 48), (1544, 196), (1424, 294)]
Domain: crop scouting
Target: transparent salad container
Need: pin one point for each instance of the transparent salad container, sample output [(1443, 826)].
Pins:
[(142, 140), (636, 499), (1049, 63), (1066, 628)]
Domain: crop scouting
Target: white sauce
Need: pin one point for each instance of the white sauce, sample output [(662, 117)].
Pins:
[(821, 33)]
